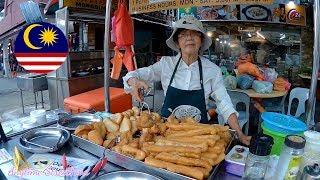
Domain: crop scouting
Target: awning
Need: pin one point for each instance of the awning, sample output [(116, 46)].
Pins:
[(51, 7)]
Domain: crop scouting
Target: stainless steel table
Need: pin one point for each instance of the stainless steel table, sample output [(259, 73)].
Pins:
[(71, 151)]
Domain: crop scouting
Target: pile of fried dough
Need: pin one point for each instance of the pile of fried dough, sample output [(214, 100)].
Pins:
[(181, 146)]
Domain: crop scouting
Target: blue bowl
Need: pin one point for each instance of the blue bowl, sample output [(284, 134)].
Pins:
[(283, 123)]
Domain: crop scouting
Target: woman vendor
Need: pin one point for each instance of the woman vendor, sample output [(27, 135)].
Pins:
[(187, 78)]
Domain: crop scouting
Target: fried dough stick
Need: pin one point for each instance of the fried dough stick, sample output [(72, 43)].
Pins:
[(185, 170), (183, 160)]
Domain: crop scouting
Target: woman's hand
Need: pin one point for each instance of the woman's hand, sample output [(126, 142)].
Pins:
[(136, 85), (233, 123), (244, 139)]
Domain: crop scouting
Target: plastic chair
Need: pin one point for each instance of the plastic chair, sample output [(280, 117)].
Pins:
[(278, 107), (240, 97), (302, 94)]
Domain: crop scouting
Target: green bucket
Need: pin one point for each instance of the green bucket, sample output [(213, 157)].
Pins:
[(278, 140)]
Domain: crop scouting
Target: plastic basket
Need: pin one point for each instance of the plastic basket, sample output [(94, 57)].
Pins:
[(283, 124)]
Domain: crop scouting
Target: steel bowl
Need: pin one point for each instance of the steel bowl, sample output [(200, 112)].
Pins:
[(44, 140), (71, 122), (183, 111), (128, 175)]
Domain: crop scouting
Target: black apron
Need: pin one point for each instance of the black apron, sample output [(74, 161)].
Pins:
[(176, 97)]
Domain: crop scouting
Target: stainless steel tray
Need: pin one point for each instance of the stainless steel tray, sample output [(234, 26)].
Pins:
[(36, 140), (132, 164), (71, 122), (128, 175)]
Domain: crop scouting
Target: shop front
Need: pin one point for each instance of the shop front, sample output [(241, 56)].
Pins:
[(83, 24)]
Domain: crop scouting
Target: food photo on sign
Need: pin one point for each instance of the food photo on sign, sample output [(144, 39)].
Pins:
[(256, 12), (279, 13), (226, 12)]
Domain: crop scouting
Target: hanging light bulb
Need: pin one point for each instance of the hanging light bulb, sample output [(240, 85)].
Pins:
[(291, 4), (210, 33)]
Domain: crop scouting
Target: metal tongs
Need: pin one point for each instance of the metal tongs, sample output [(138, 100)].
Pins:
[(91, 172), (37, 145), (143, 103)]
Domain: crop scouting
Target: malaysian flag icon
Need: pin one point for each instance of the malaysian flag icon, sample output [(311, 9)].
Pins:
[(41, 47)]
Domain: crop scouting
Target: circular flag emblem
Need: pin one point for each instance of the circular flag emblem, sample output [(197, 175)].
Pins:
[(41, 47)]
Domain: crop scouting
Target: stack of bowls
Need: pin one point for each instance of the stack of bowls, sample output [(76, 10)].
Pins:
[(279, 126)]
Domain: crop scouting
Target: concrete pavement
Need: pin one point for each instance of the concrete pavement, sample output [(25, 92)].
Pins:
[(10, 102)]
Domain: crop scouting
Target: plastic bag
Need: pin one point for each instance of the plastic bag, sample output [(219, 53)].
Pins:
[(128, 59), (117, 64), (251, 69), (123, 26), (245, 81), (270, 74), (113, 29), (244, 59), (224, 71), (230, 82), (262, 86), (281, 84)]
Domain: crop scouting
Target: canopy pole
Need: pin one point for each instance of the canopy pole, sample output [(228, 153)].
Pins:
[(314, 78), (106, 55)]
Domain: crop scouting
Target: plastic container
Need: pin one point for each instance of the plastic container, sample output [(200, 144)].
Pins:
[(282, 123), (258, 157), (278, 139), (290, 158), (27, 124), (313, 141), (119, 101), (236, 159), (39, 116), (312, 149)]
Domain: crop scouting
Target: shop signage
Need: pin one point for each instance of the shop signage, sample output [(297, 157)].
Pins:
[(296, 15), (277, 13), (143, 6), (256, 13), (189, 11), (86, 4), (226, 12)]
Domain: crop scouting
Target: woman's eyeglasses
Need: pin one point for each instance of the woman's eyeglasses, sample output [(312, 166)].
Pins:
[(193, 34)]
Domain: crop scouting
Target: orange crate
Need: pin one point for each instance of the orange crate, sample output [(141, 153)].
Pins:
[(94, 100)]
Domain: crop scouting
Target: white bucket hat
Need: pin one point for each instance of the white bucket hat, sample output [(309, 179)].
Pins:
[(189, 22)]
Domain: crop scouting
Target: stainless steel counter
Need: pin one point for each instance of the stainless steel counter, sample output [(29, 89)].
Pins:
[(71, 151)]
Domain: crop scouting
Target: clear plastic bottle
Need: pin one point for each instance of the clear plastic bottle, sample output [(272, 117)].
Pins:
[(258, 157), (311, 154), (290, 158)]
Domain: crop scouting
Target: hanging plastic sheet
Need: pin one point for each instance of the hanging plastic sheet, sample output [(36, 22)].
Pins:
[(31, 12)]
